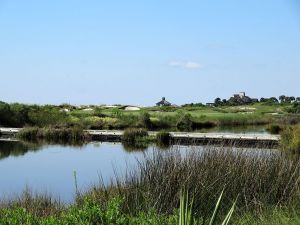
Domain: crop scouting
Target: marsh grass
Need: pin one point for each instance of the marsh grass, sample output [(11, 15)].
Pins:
[(261, 180), (290, 139)]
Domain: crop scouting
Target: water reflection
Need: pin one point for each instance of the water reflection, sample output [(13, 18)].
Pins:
[(15, 148)]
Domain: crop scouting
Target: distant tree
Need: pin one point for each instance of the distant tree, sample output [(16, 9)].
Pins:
[(292, 98), (298, 99), (282, 98), (5, 114), (218, 101), (274, 99), (262, 100), (289, 99)]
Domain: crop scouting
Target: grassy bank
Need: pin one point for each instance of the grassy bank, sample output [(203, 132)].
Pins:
[(152, 118), (90, 212), (267, 185)]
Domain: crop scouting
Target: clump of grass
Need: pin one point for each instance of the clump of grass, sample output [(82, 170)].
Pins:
[(163, 138), (133, 135), (28, 133), (290, 139), (53, 134)]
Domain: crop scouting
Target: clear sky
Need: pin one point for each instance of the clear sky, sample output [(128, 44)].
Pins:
[(135, 51)]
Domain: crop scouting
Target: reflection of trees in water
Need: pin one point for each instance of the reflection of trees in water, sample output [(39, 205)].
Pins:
[(20, 148), (13, 148), (134, 147)]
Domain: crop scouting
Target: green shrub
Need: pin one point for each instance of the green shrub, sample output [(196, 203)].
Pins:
[(185, 122), (164, 122), (46, 116), (98, 112), (144, 120), (294, 109), (125, 121), (274, 129)]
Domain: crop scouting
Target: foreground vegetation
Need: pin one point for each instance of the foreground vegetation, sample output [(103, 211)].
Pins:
[(90, 212), (267, 184)]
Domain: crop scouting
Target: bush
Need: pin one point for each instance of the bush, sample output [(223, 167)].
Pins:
[(46, 116), (164, 122), (132, 135), (294, 109), (98, 112), (144, 120), (185, 122), (274, 129)]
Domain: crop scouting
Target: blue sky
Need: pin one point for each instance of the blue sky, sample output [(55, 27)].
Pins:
[(135, 52)]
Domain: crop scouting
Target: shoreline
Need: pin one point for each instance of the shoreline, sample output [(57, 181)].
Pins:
[(184, 138)]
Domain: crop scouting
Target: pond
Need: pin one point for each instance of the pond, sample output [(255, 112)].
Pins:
[(50, 168)]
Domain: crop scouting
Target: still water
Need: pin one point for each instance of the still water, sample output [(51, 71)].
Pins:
[(50, 168)]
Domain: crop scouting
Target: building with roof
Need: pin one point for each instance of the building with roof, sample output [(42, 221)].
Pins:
[(163, 102)]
